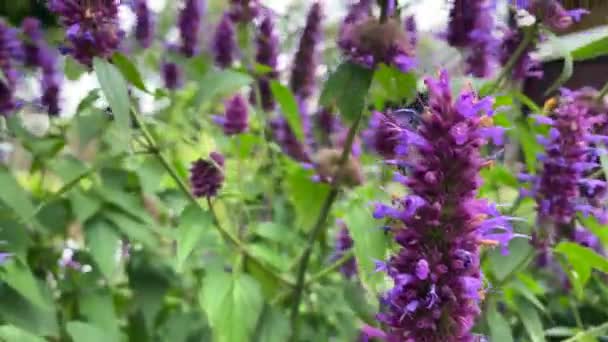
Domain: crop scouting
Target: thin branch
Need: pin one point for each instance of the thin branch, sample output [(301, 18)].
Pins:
[(185, 189), (319, 225)]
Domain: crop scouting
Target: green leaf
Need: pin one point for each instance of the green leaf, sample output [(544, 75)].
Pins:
[(136, 231), (499, 327), (527, 294), (192, 224), (274, 326), (98, 308), (307, 197), (116, 92), (391, 85), (103, 242), (354, 294), (560, 332), (233, 303), (347, 87), (594, 49), (19, 276), (84, 205), (582, 260), (502, 267), (9, 333), (129, 71), (531, 321), (530, 146), (84, 332), (73, 70), (20, 312), (289, 107), (14, 197), (564, 76), (222, 82)]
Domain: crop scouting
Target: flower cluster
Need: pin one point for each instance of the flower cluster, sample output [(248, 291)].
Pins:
[(189, 23), (92, 28), (144, 28), (39, 55), (471, 26), (441, 225), (302, 80), (235, 120), (267, 53), (565, 186), (344, 243), (224, 42), (10, 52), (207, 176), (369, 41)]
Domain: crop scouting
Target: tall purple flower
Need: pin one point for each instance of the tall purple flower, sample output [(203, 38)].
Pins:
[(224, 42), (10, 51), (472, 26), (172, 75), (302, 80), (267, 42), (441, 225), (564, 186), (526, 66), (553, 14), (144, 28), (189, 23), (344, 243), (327, 123), (235, 120), (39, 55), (92, 28), (207, 176), (244, 11)]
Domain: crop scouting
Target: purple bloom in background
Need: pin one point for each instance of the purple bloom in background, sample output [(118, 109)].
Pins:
[(564, 186), (172, 75), (526, 65), (4, 257), (92, 28), (39, 55), (189, 23), (302, 80), (441, 225), (10, 51), (327, 123), (244, 11), (288, 141), (344, 243), (267, 53), (207, 176), (553, 14), (411, 30), (471, 27), (367, 41), (385, 135), (144, 28), (235, 120), (224, 42)]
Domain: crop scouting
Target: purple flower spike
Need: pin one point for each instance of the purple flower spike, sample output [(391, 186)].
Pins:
[(92, 28), (267, 41), (562, 188), (39, 55), (172, 75), (287, 140), (302, 80), (471, 27), (236, 118), (144, 28), (343, 244), (385, 135), (440, 226), (207, 176), (10, 51), (224, 42), (189, 23)]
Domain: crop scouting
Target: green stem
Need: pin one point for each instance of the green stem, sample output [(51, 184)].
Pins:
[(319, 225), (507, 69), (603, 92), (185, 189), (593, 332)]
